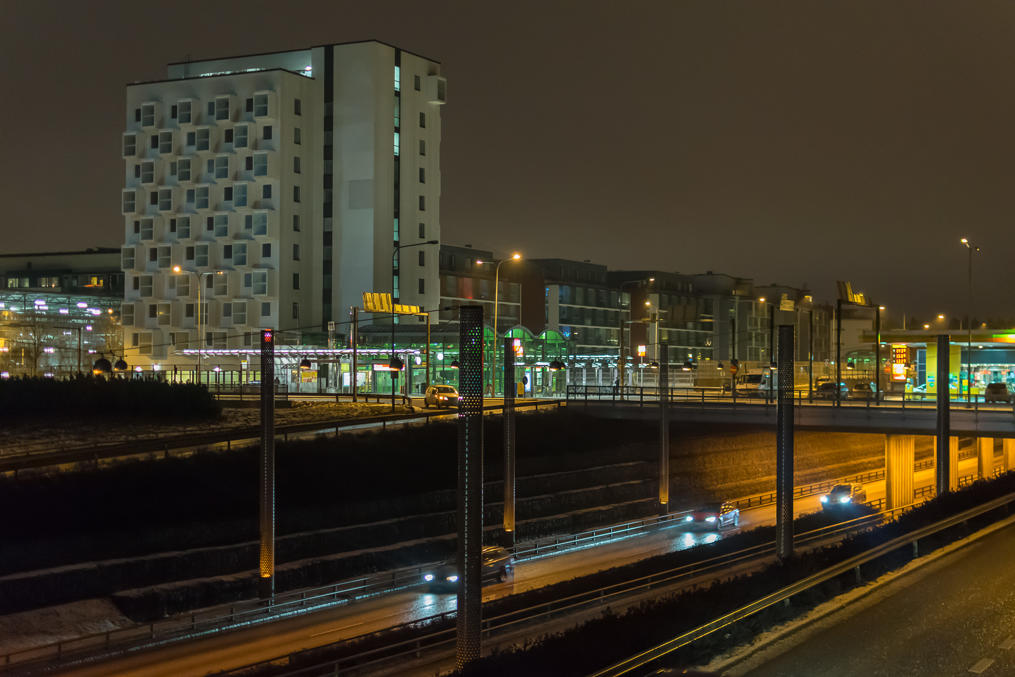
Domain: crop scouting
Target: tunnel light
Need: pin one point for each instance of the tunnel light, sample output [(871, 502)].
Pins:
[(428, 577)]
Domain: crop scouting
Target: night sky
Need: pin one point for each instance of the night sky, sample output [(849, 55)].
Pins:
[(792, 142)]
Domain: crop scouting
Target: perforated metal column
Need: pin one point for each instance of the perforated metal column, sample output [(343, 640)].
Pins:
[(509, 441), (664, 428), (784, 447), (899, 469), (944, 468), (470, 483), (266, 587)]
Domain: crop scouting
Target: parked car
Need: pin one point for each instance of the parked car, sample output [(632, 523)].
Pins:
[(713, 516), (862, 391), (997, 392), (842, 495), (440, 396), (826, 391), (498, 566)]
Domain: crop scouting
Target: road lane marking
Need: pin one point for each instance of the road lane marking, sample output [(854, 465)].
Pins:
[(981, 665), (344, 627), (1008, 643)]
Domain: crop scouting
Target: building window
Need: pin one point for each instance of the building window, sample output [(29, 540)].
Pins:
[(127, 258), (250, 106), (165, 199), (296, 136), (129, 145), (296, 311), (422, 120), (153, 254), (260, 164), (153, 198), (202, 197), (222, 108), (422, 175), (240, 136), (165, 142), (297, 107), (182, 285), (129, 202), (227, 251), (146, 285), (398, 78), (296, 280), (202, 139), (260, 283), (260, 105), (296, 164), (396, 144), (222, 167), (266, 133), (188, 254), (183, 227), (260, 223), (221, 225), (266, 191), (229, 136), (127, 314), (296, 252), (422, 203), (227, 194), (183, 169), (202, 256), (239, 312), (422, 231), (296, 222), (240, 254), (296, 193), (266, 250), (164, 256), (422, 147), (422, 258), (240, 195), (211, 109), (422, 285), (416, 84), (183, 109), (147, 172), (148, 115), (154, 141), (265, 308)]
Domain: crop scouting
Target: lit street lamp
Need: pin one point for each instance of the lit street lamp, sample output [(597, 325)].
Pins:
[(395, 365), (970, 247), (496, 304), (199, 277)]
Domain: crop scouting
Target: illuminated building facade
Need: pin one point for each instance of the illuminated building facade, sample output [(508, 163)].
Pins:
[(281, 183)]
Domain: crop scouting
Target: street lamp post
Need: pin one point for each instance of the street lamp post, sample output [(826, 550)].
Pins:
[(496, 307), (970, 247), (199, 278), (621, 361), (392, 364)]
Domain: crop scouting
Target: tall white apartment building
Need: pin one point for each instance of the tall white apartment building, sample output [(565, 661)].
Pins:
[(282, 183)]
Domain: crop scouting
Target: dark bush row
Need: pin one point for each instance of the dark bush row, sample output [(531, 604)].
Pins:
[(29, 398)]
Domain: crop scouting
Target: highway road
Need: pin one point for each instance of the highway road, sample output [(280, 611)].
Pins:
[(955, 616), (274, 639)]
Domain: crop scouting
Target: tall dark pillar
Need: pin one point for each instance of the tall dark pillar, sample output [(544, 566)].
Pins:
[(838, 352), (664, 428), (266, 586), (784, 447), (509, 441), (943, 415), (470, 484)]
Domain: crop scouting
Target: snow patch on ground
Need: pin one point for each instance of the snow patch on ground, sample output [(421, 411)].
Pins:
[(49, 625)]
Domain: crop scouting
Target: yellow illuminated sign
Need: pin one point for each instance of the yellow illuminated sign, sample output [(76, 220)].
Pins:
[(380, 302)]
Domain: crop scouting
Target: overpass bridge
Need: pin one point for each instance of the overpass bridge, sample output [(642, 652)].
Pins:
[(992, 426)]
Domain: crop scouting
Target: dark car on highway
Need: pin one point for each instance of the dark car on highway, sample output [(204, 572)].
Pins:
[(498, 566), (826, 391), (843, 495), (713, 516), (997, 392), (862, 391)]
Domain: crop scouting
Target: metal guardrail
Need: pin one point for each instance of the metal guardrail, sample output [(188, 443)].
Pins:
[(544, 611), (785, 593), (148, 445), (643, 395)]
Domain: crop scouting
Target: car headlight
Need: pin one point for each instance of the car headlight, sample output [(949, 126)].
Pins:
[(844, 499), (689, 518), (710, 518), (824, 499), (453, 578), (427, 577)]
